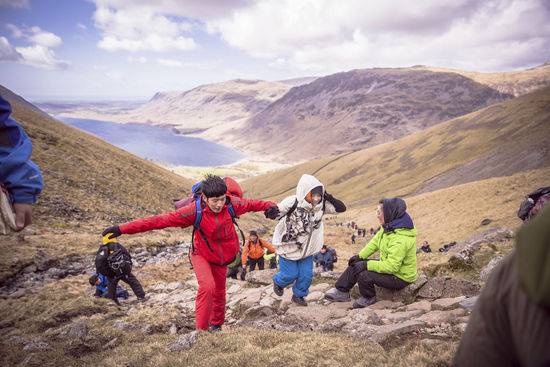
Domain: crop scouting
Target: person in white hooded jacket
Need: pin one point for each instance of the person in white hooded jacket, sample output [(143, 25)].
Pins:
[(299, 235)]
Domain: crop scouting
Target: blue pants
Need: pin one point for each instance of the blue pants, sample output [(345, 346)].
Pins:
[(299, 272)]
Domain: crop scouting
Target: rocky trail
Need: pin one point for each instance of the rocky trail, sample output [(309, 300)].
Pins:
[(435, 309)]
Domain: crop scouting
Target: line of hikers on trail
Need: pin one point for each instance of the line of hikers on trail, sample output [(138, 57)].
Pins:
[(510, 324)]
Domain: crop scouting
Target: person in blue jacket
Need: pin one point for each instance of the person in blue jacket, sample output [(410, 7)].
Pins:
[(18, 174), (101, 282)]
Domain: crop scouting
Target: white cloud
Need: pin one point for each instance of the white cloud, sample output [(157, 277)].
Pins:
[(15, 4), (7, 51), (41, 57), (329, 35), (170, 63), (140, 28), (43, 38), (39, 54), (81, 26)]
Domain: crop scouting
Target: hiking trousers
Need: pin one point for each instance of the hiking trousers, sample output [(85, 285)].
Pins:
[(367, 280), (296, 272), (130, 279), (252, 263), (210, 300)]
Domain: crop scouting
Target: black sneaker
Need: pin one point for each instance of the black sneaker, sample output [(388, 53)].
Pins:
[(215, 328), (277, 289), (300, 301)]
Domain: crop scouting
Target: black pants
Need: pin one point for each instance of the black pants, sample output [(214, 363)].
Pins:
[(130, 279), (367, 280), (252, 263), (326, 266), (232, 272), (273, 263)]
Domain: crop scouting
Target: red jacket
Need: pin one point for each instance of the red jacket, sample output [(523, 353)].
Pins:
[(217, 227)]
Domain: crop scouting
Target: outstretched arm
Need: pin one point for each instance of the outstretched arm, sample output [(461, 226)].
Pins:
[(183, 217), (243, 205)]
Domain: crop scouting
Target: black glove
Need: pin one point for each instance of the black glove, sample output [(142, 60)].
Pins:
[(114, 230), (339, 206), (359, 266), (243, 273), (352, 260), (272, 212)]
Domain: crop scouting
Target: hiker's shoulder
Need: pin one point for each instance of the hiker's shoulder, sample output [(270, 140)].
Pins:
[(288, 201)]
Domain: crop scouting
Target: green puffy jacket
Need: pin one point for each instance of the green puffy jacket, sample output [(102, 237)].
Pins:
[(397, 253)]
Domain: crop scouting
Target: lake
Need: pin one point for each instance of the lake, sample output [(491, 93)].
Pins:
[(157, 143)]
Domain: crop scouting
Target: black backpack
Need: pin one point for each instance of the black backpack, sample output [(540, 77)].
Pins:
[(113, 260), (530, 201)]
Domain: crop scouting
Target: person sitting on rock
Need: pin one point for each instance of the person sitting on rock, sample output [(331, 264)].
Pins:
[(325, 259), (20, 179), (100, 282), (396, 268), (299, 235), (424, 248), (253, 252)]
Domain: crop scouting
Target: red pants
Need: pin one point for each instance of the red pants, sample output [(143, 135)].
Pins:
[(210, 300)]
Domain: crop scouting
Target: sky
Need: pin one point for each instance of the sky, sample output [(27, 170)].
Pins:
[(131, 49)]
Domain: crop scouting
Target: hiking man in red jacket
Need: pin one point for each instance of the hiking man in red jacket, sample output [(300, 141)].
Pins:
[(216, 242)]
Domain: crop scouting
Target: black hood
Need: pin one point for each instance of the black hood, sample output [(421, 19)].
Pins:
[(394, 208)]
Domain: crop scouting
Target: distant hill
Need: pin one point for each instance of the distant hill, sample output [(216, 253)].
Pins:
[(516, 83), (360, 108), (499, 140), (87, 179)]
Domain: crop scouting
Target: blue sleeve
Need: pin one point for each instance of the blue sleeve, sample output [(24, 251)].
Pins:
[(17, 172)]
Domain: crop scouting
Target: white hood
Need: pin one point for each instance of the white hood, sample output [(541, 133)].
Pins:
[(305, 185)]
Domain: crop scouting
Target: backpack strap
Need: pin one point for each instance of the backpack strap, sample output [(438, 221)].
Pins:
[(234, 218), (197, 225), (292, 209)]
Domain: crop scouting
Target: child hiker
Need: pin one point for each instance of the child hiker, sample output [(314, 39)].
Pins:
[(299, 235), (216, 243)]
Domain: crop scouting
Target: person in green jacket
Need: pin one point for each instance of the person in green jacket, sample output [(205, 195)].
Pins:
[(396, 268)]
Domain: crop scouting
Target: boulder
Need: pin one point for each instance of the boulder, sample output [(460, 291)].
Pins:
[(184, 342), (405, 295), (398, 317), (385, 304), (36, 346), (321, 287), (257, 312), (434, 318), (316, 314), (314, 296), (263, 277), (424, 305), (445, 287), (444, 304), (463, 258), (488, 269), (386, 332)]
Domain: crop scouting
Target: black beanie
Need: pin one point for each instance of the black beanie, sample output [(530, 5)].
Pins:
[(254, 233)]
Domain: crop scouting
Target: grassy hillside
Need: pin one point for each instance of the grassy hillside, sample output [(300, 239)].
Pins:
[(499, 140)]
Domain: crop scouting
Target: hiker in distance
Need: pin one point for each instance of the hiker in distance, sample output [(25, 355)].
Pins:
[(253, 252), (215, 241), (20, 179), (299, 235), (396, 268)]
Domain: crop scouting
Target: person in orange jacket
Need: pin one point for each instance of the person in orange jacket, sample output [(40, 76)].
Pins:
[(253, 252)]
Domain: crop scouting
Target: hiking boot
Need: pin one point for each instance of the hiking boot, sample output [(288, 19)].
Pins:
[(363, 302), (215, 328), (336, 295), (278, 290), (300, 301)]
